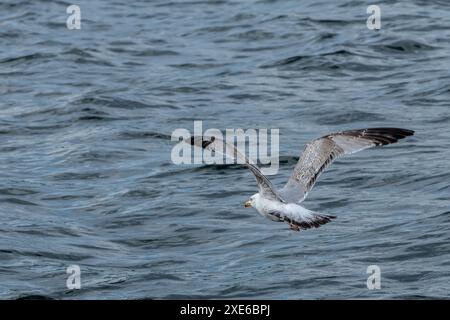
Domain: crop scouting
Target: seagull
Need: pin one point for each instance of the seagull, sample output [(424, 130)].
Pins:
[(283, 205)]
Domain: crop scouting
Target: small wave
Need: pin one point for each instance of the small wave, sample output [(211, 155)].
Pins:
[(115, 102), (190, 3), (295, 59), (34, 57), (34, 297), (79, 176), (18, 201), (155, 53), (143, 135), (142, 193), (16, 191), (197, 66), (349, 117), (402, 46)]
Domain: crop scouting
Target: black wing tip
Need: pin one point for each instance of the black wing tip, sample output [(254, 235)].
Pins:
[(385, 136), (381, 136), (394, 131)]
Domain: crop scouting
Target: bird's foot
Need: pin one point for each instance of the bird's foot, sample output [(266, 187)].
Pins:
[(294, 227)]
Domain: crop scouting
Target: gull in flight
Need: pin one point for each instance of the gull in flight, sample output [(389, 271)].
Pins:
[(283, 205)]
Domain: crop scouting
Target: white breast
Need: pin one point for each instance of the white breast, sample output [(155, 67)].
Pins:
[(277, 211), (267, 207)]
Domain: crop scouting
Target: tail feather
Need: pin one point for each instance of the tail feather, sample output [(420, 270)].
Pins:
[(314, 220)]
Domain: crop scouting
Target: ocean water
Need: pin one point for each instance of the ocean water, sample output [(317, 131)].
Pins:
[(86, 118)]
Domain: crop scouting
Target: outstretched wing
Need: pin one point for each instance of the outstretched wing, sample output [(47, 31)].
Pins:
[(221, 147), (320, 153)]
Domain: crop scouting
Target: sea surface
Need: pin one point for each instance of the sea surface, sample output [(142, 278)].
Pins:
[(86, 177)]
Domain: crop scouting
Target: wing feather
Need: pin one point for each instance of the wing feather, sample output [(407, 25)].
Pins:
[(216, 145), (320, 153)]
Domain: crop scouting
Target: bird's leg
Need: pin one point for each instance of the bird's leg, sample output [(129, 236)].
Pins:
[(294, 226)]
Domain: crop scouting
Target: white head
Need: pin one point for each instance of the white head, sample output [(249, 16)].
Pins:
[(252, 201)]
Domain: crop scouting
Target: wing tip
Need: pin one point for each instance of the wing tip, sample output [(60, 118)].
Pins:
[(382, 135), (397, 131)]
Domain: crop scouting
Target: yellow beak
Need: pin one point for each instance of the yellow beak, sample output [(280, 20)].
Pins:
[(247, 204)]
